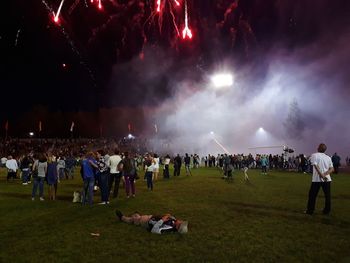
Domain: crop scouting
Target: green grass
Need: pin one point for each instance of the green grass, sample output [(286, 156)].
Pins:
[(228, 222)]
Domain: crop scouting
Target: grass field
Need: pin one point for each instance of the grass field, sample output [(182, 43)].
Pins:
[(228, 222)]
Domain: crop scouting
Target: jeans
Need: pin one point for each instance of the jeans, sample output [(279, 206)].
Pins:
[(61, 173), (129, 184), (88, 190), (104, 186), (149, 180), (25, 175), (69, 172), (116, 178), (39, 181)]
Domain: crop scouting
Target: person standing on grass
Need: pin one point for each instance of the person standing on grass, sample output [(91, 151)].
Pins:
[(155, 166), (336, 162), (12, 167), (114, 175), (52, 177), (129, 173), (177, 165), (321, 177), (61, 165), (149, 166), (25, 163), (88, 165), (166, 166), (187, 161), (103, 174), (39, 173), (264, 163)]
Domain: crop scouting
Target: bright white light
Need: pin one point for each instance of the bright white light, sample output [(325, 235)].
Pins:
[(212, 133), (130, 136), (222, 80), (261, 129), (31, 134)]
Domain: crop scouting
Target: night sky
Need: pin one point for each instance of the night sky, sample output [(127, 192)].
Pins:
[(103, 58)]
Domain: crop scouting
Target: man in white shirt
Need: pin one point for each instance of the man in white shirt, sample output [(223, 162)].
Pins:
[(12, 167), (321, 177), (115, 174)]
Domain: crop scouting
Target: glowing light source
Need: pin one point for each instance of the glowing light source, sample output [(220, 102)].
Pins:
[(261, 129), (158, 5), (222, 80), (55, 19), (99, 4), (187, 31), (31, 134)]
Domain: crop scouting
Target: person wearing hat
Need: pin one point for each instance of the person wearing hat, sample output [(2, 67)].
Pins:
[(155, 224)]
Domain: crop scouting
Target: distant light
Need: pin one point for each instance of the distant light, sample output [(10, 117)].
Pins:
[(55, 19), (212, 133), (31, 134), (64, 65), (130, 136), (222, 80), (261, 129)]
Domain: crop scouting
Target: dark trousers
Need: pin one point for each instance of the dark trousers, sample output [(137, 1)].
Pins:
[(166, 171), (177, 169), (336, 169), (104, 177), (149, 180), (315, 187), (11, 174), (114, 178)]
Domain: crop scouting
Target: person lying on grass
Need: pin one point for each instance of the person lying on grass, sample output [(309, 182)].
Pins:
[(155, 224)]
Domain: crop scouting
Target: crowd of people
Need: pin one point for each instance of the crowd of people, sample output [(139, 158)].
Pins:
[(103, 166)]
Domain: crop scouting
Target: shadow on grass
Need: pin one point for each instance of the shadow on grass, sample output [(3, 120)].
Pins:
[(27, 196), (270, 211)]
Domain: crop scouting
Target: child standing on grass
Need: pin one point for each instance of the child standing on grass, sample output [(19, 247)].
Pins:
[(52, 177)]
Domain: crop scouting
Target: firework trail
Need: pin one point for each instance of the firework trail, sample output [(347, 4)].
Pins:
[(187, 31), (17, 36), (221, 146), (72, 45), (58, 11), (73, 6)]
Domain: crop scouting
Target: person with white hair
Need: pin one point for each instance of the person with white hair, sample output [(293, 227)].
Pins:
[(155, 224)]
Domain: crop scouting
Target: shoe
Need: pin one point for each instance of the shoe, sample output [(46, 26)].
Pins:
[(24, 183), (127, 196), (102, 203), (33, 199), (308, 213), (118, 214), (133, 196), (42, 199), (107, 202), (326, 213)]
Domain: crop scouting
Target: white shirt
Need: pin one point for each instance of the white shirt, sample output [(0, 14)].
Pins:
[(324, 162), (156, 165), (167, 161), (3, 160), (114, 160), (12, 165)]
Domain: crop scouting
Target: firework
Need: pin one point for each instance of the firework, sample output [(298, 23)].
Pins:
[(187, 31), (58, 12), (17, 36)]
